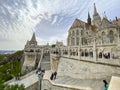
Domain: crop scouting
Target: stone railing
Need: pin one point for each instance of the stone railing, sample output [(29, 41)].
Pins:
[(12, 80), (49, 85)]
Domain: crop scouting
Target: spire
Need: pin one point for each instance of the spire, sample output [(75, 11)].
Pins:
[(95, 10), (105, 16), (33, 37), (89, 19)]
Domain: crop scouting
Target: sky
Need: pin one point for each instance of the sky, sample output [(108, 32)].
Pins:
[(49, 19)]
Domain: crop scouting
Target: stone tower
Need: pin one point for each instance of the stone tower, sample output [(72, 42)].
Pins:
[(31, 54), (96, 17), (33, 40)]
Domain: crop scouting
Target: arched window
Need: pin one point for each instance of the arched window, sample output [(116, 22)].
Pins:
[(73, 41), (77, 41), (103, 37), (111, 37), (77, 32), (81, 32), (73, 33)]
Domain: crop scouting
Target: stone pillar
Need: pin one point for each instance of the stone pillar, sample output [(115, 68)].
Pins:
[(80, 43), (68, 51), (79, 54), (75, 41), (94, 50)]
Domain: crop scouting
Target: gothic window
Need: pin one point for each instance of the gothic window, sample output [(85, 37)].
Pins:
[(77, 41), (77, 32), (103, 37), (111, 37), (73, 33), (85, 40), (70, 33), (81, 32), (73, 41)]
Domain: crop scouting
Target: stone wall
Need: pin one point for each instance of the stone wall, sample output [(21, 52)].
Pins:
[(86, 70), (35, 86)]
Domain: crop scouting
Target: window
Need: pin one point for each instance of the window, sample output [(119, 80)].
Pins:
[(81, 32), (77, 41), (111, 37), (103, 37), (73, 41), (73, 33), (77, 32)]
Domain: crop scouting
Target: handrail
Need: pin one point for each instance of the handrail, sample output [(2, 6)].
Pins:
[(68, 86), (39, 65)]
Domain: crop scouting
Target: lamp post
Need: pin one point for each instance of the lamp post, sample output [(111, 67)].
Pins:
[(40, 73)]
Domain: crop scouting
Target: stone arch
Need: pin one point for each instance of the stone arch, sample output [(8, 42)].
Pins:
[(90, 52), (100, 53), (114, 54), (86, 53), (82, 52), (106, 53)]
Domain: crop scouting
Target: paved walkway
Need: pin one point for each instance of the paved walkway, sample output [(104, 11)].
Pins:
[(95, 84), (27, 81)]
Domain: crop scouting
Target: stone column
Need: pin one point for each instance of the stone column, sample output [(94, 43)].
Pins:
[(68, 51), (94, 50)]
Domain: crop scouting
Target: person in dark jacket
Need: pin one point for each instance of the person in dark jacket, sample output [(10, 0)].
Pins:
[(55, 74), (105, 85), (51, 77)]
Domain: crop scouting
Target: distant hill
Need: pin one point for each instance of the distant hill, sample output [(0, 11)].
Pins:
[(7, 51)]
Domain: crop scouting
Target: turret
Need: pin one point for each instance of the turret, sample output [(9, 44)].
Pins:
[(96, 17), (89, 19), (33, 40)]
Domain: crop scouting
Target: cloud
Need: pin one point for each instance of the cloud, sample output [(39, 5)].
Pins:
[(50, 19)]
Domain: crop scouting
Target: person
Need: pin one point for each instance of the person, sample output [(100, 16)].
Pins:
[(105, 85), (55, 74), (51, 77)]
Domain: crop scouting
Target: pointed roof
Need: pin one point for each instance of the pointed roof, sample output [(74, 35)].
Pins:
[(78, 23), (89, 19), (88, 15), (106, 22), (105, 16), (95, 10), (33, 37)]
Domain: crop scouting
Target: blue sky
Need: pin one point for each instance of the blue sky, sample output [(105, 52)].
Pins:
[(49, 19)]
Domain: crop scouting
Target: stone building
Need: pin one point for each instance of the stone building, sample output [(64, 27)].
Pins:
[(91, 55), (33, 54), (98, 36)]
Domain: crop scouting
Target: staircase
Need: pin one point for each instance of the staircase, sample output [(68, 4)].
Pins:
[(45, 63), (95, 84)]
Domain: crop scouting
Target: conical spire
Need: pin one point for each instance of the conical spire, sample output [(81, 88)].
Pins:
[(105, 16), (95, 10), (33, 37), (89, 19)]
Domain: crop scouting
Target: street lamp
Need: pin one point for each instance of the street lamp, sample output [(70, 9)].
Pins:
[(40, 73)]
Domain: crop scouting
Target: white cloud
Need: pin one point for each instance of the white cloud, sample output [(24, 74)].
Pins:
[(19, 18)]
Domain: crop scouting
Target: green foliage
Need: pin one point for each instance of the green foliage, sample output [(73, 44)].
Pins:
[(11, 87), (12, 68), (15, 87), (1, 57), (53, 45)]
